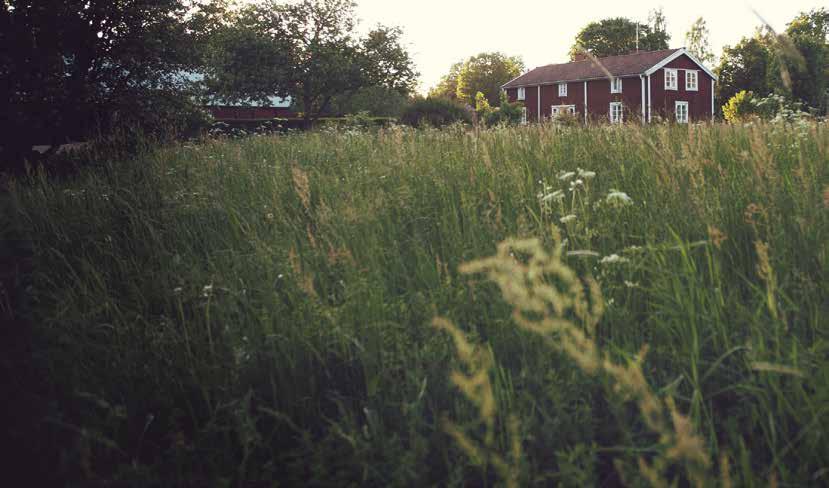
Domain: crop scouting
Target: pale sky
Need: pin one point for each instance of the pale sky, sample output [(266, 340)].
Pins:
[(439, 33)]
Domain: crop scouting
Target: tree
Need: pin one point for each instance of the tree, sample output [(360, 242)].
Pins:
[(377, 101), (696, 41), (809, 64), (486, 73), (307, 50), (744, 67), (615, 36), (447, 87), (70, 68)]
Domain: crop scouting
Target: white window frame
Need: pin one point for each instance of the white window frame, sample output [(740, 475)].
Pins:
[(685, 115), (695, 86), (562, 89), (556, 110), (522, 93), (674, 78), (523, 115), (621, 113), (616, 85)]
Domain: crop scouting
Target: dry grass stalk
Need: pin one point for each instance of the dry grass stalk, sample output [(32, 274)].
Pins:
[(549, 299), (302, 187)]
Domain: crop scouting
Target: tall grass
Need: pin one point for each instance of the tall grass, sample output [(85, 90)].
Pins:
[(237, 312)]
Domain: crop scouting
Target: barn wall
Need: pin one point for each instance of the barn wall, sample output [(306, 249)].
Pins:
[(699, 102), (248, 113), (531, 95), (575, 96), (599, 98)]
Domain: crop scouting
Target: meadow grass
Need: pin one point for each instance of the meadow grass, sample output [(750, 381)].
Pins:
[(242, 312)]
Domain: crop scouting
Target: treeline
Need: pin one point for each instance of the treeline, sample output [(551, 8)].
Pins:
[(73, 70)]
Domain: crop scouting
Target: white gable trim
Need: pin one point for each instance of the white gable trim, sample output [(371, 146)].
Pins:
[(678, 53)]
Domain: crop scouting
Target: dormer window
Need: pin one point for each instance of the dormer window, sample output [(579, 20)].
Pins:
[(562, 89), (616, 85), (522, 94), (670, 79), (691, 80)]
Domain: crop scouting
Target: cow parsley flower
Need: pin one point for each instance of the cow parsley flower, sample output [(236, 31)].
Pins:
[(618, 198), (557, 195), (567, 218), (564, 176), (613, 259), (586, 174), (583, 253)]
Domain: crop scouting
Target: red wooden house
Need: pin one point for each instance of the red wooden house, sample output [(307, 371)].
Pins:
[(671, 84)]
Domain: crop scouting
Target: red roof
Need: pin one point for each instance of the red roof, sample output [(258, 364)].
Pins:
[(625, 65)]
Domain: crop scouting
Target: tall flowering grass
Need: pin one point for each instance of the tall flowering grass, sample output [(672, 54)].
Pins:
[(267, 302)]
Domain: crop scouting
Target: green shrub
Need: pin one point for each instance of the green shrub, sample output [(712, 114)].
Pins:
[(745, 105), (738, 107), (434, 112), (506, 113)]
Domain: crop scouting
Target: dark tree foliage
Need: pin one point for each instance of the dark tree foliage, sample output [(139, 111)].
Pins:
[(435, 112), (70, 69), (307, 50), (809, 66), (744, 67), (447, 87), (794, 64), (615, 36), (486, 73)]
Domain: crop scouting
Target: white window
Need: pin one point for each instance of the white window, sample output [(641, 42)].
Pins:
[(522, 94), (616, 85), (523, 115), (670, 79), (616, 113), (691, 80), (562, 89), (681, 112), (557, 110)]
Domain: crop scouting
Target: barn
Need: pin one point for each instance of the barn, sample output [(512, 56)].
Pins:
[(669, 84), (275, 107)]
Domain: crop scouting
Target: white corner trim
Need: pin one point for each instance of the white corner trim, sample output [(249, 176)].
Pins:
[(538, 106), (679, 52), (649, 99), (712, 100), (585, 102), (642, 100)]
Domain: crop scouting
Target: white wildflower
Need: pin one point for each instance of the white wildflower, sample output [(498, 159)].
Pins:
[(207, 290), (566, 176), (586, 174), (567, 218), (614, 258), (583, 253), (619, 198), (557, 195), (176, 290)]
